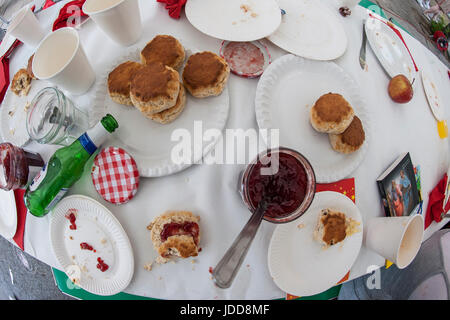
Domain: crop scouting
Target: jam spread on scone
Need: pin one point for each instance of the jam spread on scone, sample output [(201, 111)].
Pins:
[(178, 229)]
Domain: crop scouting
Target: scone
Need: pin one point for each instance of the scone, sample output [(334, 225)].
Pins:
[(351, 139), (170, 114), (175, 234), (155, 88), (30, 67), (333, 227), (165, 49), (21, 83), (119, 81), (205, 74), (331, 114)]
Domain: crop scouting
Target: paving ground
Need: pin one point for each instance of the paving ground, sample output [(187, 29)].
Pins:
[(410, 15), (31, 279)]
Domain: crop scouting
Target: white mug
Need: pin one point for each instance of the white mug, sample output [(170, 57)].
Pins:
[(25, 27), (61, 60), (119, 19)]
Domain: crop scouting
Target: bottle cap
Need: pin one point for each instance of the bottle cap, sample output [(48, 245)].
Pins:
[(115, 175)]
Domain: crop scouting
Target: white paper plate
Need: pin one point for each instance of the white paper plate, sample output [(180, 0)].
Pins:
[(389, 49), (310, 30), (433, 96), (97, 226), (8, 214), (234, 20), (298, 264), (287, 90), (13, 114), (150, 142)]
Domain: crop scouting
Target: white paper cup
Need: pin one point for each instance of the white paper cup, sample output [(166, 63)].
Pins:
[(61, 60), (25, 27), (397, 239), (119, 19)]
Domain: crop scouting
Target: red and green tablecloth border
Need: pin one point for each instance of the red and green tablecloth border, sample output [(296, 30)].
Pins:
[(67, 287)]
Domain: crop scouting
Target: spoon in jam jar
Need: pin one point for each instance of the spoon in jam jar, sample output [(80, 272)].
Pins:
[(278, 187)]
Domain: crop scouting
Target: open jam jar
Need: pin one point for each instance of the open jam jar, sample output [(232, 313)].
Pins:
[(284, 179), (17, 166)]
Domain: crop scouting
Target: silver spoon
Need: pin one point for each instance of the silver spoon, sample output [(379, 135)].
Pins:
[(227, 268)]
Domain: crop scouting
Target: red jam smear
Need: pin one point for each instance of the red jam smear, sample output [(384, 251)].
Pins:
[(285, 190), (72, 218), (178, 229), (87, 246), (244, 58), (101, 265), (13, 161)]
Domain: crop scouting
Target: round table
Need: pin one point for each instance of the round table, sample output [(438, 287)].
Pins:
[(211, 190)]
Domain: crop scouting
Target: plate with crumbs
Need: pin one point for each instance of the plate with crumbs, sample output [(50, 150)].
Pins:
[(234, 20), (91, 245), (301, 265)]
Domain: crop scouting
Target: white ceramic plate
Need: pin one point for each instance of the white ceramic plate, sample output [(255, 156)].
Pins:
[(98, 227), (298, 264), (433, 96), (13, 114), (8, 214), (287, 90), (389, 49), (149, 142), (310, 30), (234, 20)]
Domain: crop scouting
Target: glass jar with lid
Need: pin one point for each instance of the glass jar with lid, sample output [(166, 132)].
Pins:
[(54, 119), (17, 166)]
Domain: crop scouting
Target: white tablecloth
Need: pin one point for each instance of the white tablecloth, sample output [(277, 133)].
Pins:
[(211, 190)]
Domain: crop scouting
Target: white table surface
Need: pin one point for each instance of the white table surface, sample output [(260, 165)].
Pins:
[(211, 190)]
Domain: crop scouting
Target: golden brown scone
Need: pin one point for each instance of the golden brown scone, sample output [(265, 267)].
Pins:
[(175, 234), (351, 139), (331, 114), (165, 49), (119, 81), (155, 88), (171, 114), (30, 67), (21, 83), (205, 74)]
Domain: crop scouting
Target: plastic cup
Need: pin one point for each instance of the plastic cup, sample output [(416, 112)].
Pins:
[(61, 60), (120, 20), (397, 239), (25, 27)]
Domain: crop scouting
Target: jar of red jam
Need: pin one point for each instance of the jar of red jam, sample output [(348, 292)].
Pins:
[(17, 166), (284, 179)]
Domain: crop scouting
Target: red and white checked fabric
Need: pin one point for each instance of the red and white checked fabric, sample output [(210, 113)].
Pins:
[(115, 175)]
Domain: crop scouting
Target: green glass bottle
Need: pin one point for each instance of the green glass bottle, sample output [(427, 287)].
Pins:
[(64, 168)]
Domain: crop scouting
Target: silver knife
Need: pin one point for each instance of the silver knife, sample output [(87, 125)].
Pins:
[(362, 51)]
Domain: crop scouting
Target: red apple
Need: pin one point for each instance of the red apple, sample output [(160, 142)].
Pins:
[(400, 89)]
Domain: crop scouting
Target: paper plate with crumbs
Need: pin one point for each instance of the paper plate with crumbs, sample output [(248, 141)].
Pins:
[(301, 260), (234, 20), (91, 245)]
